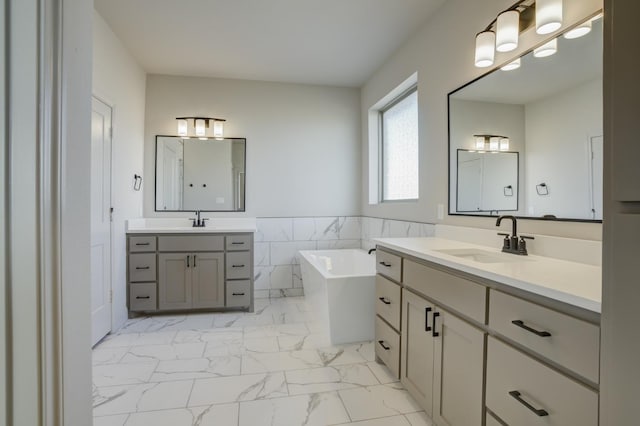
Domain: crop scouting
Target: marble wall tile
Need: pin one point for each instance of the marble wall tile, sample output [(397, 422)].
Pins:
[(338, 244), (286, 253), (281, 277), (274, 229), (297, 276), (261, 254)]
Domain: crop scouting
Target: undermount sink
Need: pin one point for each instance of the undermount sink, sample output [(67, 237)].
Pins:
[(482, 256)]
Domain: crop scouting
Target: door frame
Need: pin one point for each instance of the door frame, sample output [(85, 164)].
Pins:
[(112, 272)]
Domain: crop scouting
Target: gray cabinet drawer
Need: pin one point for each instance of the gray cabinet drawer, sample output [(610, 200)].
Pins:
[(238, 293), (518, 384), (142, 244), (572, 343), (190, 243), (389, 265), (238, 242), (142, 297), (446, 289), (387, 346), (239, 265), (142, 267), (388, 301)]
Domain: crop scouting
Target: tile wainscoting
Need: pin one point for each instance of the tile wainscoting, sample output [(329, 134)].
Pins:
[(278, 240)]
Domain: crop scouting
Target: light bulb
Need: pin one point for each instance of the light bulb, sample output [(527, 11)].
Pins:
[(548, 16), (485, 49), (200, 127), (579, 31), (512, 65), (546, 49), (494, 143), (183, 127), (507, 31), (218, 129), (479, 142)]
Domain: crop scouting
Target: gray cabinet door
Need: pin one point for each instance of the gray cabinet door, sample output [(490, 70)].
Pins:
[(208, 280), (416, 365), (174, 283), (458, 372)]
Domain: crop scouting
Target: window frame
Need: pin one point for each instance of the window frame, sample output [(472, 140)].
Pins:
[(402, 96)]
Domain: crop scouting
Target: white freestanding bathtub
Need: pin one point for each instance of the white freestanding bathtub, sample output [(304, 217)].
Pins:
[(340, 287)]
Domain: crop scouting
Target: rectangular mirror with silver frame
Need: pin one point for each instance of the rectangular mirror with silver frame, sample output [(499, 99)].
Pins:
[(546, 116), (200, 174)]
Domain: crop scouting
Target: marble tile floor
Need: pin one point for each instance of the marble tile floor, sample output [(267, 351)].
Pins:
[(271, 367)]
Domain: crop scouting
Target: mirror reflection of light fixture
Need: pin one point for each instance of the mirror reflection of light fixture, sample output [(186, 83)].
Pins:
[(493, 143), (579, 31), (504, 144), (485, 49), (507, 30), (479, 142), (200, 126), (548, 16), (547, 49), (512, 65)]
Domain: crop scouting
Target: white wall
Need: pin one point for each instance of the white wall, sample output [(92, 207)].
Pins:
[(120, 82), (475, 117), (558, 132), (303, 141), (442, 53)]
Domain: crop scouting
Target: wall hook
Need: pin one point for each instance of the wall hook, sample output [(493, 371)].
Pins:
[(137, 182)]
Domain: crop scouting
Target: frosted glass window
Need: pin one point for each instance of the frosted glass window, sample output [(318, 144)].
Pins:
[(400, 149)]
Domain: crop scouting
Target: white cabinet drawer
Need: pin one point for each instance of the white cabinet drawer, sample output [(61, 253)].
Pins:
[(239, 265), (568, 341), (238, 294), (525, 392), (389, 265), (142, 244), (387, 346), (238, 242), (142, 297), (388, 301), (452, 291), (142, 267)]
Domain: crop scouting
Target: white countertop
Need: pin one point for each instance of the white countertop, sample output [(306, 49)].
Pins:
[(573, 283), (183, 225)]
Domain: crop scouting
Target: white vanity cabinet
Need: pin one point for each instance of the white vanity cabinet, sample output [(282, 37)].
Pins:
[(190, 272)]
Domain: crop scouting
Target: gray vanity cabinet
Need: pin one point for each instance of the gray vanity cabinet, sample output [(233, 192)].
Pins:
[(174, 284), (207, 278)]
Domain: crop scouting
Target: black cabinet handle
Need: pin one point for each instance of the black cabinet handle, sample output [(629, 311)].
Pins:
[(237, 243), (188, 261), (194, 260), (521, 324), (143, 297), (434, 333), (384, 300), (142, 267), (540, 412), (237, 266), (385, 264), (237, 294), (142, 244), (385, 347), (426, 319)]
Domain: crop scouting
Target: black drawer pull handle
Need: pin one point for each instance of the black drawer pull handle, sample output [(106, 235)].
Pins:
[(385, 264), (237, 243), (538, 411), (385, 300), (188, 261), (143, 244), (434, 333), (426, 319), (237, 266), (531, 330), (385, 347), (143, 297), (142, 267), (194, 261), (238, 294)]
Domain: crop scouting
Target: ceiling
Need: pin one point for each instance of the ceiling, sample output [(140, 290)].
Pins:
[(326, 42)]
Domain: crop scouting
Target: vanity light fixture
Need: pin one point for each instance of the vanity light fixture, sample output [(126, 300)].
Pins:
[(200, 126), (494, 143), (491, 143), (579, 31), (548, 16), (512, 65), (507, 30), (504, 144), (547, 49), (479, 142)]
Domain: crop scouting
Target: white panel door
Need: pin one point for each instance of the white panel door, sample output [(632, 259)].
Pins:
[(596, 177), (100, 220)]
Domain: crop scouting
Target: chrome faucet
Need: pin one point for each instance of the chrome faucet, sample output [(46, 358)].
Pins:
[(512, 243), (197, 222)]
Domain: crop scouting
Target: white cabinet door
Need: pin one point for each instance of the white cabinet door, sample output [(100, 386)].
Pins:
[(416, 363), (458, 371)]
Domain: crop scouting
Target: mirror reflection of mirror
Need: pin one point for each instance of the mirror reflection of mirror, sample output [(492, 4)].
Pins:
[(194, 174), (487, 181), (550, 110)]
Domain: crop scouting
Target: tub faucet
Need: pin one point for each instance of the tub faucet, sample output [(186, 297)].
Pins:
[(372, 250), (513, 244)]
